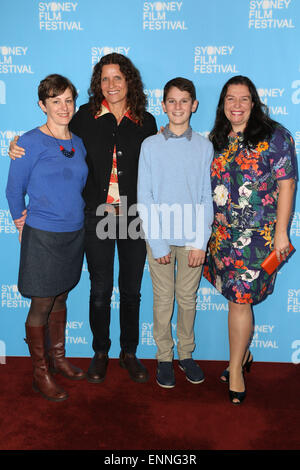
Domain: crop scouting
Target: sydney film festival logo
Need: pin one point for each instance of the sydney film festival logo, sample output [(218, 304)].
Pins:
[(270, 14), (293, 301), (97, 52), (11, 297), (275, 99), (154, 99), (59, 16), (215, 59), (13, 60), (74, 332), (5, 137), (163, 16), (7, 225)]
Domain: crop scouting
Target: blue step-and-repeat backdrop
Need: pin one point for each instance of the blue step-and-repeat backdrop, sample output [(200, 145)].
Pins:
[(205, 41)]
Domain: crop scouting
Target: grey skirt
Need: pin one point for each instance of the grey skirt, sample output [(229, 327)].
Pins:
[(50, 262)]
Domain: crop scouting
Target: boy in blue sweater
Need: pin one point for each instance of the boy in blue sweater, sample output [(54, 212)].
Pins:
[(175, 206)]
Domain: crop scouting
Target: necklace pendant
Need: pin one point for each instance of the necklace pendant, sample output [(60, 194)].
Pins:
[(67, 153)]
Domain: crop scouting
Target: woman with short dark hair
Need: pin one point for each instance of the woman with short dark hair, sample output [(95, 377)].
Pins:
[(52, 86), (53, 174)]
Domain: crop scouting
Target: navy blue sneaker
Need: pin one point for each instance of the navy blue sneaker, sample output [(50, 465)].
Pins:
[(193, 372), (165, 375)]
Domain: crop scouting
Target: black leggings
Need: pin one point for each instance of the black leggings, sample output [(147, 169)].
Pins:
[(100, 256)]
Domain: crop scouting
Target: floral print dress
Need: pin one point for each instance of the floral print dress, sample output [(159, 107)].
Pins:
[(245, 194)]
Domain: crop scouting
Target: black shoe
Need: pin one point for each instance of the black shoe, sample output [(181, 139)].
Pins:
[(165, 374), (225, 376), (193, 372), (240, 396), (237, 396), (246, 366), (98, 366), (137, 372)]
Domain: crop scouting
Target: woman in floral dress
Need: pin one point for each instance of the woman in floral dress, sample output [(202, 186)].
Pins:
[(253, 179)]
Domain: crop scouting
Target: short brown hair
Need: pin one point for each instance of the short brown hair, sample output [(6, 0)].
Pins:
[(183, 84), (54, 85)]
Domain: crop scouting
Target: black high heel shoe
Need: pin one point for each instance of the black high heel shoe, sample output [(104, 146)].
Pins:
[(240, 396), (246, 366), (237, 396)]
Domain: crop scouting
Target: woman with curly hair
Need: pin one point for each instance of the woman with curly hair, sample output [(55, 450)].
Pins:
[(253, 180), (113, 125)]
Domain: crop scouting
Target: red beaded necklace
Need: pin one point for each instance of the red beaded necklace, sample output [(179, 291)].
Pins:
[(66, 153)]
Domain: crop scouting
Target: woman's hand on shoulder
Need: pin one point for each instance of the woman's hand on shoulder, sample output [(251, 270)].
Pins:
[(19, 223), (14, 150)]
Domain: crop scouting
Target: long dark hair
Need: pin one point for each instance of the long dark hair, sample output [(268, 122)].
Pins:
[(136, 98), (259, 126)]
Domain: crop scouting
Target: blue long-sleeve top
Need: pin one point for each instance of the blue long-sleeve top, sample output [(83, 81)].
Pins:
[(174, 191), (52, 182)]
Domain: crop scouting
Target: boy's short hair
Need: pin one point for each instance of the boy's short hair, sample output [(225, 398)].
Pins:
[(183, 84)]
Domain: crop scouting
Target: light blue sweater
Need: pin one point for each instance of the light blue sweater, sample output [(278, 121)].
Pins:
[(174, 191)]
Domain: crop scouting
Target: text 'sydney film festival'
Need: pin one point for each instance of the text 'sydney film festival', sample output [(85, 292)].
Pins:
[(206, 42)]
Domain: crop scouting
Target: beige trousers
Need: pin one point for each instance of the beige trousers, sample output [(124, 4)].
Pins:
[(168, 285)]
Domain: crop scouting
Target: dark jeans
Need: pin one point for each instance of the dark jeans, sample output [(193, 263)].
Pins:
[(100, 258)]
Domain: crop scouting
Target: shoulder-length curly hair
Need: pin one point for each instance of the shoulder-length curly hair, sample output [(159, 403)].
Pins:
[(136, 98), (259, 126)]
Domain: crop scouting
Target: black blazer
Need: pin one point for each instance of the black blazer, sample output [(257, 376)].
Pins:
[(99, 137)]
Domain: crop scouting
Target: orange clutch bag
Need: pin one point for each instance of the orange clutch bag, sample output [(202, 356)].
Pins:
[(271, 262)]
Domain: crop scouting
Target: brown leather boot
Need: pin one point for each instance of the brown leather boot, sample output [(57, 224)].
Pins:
[(56, 337), (43, 381)]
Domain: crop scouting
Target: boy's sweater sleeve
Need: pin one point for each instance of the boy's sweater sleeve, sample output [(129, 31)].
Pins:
[(148, 210), (205, 212)]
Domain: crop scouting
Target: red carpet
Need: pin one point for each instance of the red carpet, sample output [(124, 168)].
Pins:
[(122, 415)]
